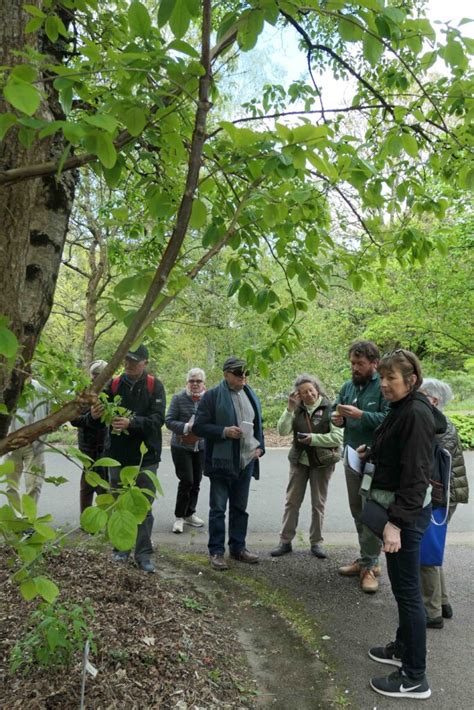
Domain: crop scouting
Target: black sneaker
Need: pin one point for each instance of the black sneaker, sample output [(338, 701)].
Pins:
[(283, 549), (436, 623), (398, 685), (386, 654), (447, 611)]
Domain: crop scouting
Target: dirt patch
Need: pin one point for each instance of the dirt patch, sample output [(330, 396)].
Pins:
[(185, 638)]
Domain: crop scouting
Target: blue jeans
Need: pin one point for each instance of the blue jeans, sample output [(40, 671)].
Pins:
[(234, 490), (404, 572)]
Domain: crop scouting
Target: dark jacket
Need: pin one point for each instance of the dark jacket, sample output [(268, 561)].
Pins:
[(205, 426), (90, 438), (180, 411), (402, 452), (369, 399), (449, 440), (148, 410)]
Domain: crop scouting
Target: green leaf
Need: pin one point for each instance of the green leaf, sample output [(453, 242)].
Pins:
[(106, 150), (128, 474), (28, 589), (198, 215), (164, 11), (122, 529), (104, 500), (136, 503), (350, 28), (373, 49), (7, 467), (246, 295), (8, 343), (180, 19), (154, 479), (143, 448), (25, 72), (51, 28), (102, 120), (33, 10), (28, 506), (139, 19), (135, 120), (106, 462), (410, 144), (93, 519), (45, 531), (93, 479), (22, 96), (466, 177), (46, 588), (33, 25), (184, 48), (453, 53)]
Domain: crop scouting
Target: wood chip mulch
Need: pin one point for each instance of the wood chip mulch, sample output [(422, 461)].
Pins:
[(161, 643)]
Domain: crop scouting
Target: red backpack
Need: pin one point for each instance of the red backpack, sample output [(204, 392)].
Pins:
[(150, 384)]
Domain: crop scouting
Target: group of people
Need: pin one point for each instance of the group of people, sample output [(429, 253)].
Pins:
[(386, 412)]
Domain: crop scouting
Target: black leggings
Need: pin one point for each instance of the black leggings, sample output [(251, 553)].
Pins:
[(189, 466)]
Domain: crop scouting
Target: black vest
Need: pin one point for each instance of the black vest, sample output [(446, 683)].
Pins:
[(318, 423)]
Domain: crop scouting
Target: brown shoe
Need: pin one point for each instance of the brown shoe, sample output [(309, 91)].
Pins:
[(354, 570), (368, 581), (218, 563), (245, 556)]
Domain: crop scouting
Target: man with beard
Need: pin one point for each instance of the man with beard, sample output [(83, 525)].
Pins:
[(360, 408)]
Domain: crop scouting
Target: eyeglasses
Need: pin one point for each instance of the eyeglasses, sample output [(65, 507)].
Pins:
[(240, 373), (195, 382)]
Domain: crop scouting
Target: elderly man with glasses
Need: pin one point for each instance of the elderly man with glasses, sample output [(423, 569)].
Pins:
[(230, 420)]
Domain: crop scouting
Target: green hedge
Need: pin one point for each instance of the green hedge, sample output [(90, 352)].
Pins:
[(464, 423)]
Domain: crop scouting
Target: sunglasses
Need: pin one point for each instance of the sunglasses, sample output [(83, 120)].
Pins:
[(240, 373), (195, 382)]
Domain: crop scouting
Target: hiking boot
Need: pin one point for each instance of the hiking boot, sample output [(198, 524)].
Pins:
[(386, 654), (120, 556), (353, 570), (218, 563), (194, 521), (178, 526), (283, 549), (398, 685), (436, 623), (447, 611), (318, 551), (245, 556), (368, 581)]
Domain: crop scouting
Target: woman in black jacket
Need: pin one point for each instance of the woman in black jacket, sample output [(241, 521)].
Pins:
[(402, 453)]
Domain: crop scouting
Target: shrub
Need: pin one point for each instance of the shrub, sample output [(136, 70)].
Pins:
[(464, 423), (56, 633)]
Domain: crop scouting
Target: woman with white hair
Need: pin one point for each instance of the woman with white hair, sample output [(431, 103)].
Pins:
[(315, 449), (433, 582), (187, 449)]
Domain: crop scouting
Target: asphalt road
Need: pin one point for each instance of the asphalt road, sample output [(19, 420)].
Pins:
[(265, 504)]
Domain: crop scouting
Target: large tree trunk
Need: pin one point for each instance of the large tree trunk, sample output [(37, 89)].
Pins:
[(34, 217)]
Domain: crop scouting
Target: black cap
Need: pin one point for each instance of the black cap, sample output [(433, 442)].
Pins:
[(141, 353), (234, 363)]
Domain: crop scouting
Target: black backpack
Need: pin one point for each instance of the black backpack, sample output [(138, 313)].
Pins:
[(441, 477)]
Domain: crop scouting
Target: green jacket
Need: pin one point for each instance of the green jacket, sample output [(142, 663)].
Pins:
[(369, 399)]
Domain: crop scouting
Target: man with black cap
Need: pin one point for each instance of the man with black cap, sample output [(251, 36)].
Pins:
[(144, 396), (230, 420)]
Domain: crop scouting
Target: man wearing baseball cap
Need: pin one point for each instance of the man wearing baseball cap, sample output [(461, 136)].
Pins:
[(229, 418), (144, 396)]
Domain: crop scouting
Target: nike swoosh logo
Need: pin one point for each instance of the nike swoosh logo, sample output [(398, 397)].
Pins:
[(408, 690)]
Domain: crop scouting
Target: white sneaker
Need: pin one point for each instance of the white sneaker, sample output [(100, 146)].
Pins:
[(178, 526), (194, 521)]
